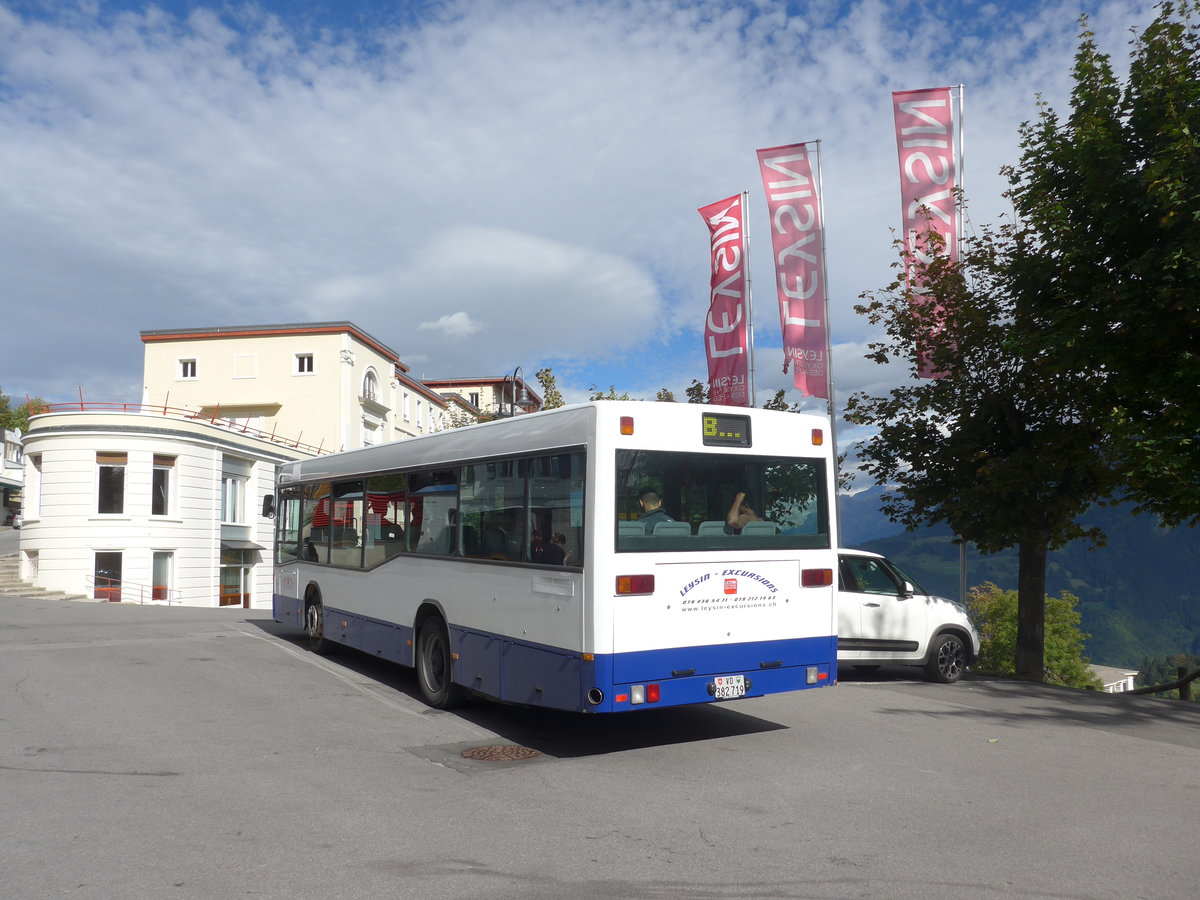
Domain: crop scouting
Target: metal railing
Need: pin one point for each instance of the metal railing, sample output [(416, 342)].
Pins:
[(181, 413), (114, 590)]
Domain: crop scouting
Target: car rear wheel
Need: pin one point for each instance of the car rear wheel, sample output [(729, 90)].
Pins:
[(947, 659)]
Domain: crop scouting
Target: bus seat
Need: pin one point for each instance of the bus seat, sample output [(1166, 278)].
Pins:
[(674, 529), (630, 528), (760, 528), (711, 528)]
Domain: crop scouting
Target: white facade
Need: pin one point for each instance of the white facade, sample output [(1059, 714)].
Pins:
[(147, 507)]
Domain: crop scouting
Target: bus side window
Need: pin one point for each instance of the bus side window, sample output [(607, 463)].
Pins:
[(316, 510), (433, 512)]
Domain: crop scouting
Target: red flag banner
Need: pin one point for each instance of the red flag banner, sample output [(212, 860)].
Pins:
[(798, 242), (725, 328), (928, 178)]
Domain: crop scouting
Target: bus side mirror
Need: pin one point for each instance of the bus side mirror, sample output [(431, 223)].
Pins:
[(268, 509)]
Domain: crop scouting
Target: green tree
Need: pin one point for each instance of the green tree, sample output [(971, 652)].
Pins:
[(997, 447), (994, 612), (596, 394), (697, 392), (1155, 670), (665, 396), (1109, 200), (551, 397), (17, 417)]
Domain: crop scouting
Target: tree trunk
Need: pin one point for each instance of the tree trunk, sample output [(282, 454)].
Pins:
[(1031, 611)]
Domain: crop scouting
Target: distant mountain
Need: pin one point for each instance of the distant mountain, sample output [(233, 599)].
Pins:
[(1139, 595), (862, 519)]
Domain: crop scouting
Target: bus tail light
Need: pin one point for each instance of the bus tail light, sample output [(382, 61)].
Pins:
[(818, 437), (816, 577), (643, 693), (626, 424), (635, 584)]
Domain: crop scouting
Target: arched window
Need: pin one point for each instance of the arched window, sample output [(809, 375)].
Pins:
[(370, 388)]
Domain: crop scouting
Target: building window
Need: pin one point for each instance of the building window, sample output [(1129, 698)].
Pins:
[(304, 363), (32, 494), (160, 485), (233, 499), (404, 404), (111, 483), (473, 396), (187, 368), (235, 577), (370, 389), (419, 414), (107, 575), (161, 576)]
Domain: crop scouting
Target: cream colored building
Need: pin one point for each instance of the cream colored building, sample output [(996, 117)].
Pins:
[(329, 385), (492, 394), (152, 507)]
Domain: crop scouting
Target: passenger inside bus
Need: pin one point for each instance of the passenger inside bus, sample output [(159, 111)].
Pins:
[(739, 514), (652, 511)]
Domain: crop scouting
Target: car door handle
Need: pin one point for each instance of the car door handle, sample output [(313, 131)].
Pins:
[(871, 604)]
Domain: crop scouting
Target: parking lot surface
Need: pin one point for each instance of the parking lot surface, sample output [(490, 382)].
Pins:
[(187, 753)]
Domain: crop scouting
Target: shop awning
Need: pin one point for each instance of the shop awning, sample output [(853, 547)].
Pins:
[(241, 545)]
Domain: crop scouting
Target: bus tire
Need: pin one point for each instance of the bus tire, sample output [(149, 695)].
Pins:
[(433, 665), (947, 659), (314, 627)]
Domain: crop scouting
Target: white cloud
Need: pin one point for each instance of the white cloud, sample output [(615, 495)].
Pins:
[(455, 325), (489, 185)]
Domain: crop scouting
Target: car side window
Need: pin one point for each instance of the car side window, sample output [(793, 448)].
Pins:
[(871, 577)]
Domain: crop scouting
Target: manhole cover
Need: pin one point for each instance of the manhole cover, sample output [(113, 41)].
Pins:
[(500, 753)]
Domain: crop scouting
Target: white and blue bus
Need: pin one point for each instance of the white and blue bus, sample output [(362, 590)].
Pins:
[(587, 558)]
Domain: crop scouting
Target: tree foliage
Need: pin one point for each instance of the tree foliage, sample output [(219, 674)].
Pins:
[(994, 612), (1069, 336), (996, 448), (17, 417), (1110, 202), (552, 398), (1165, 669)]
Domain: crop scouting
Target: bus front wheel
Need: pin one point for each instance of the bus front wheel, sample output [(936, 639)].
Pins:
[(314, 627), (433, 666)]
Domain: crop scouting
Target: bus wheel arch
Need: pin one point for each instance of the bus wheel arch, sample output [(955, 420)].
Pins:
[(432, 659), (314, 621)]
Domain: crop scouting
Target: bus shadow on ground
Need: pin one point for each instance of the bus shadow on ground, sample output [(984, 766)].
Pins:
[(553, 733)]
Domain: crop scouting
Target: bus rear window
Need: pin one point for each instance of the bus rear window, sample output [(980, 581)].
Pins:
[(670, 501)]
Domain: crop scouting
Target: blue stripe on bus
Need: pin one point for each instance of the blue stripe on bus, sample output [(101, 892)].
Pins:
[(538, 675)]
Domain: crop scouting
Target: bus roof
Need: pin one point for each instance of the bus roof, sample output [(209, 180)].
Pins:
[(548, 430)]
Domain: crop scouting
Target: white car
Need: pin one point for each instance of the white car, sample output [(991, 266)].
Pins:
[(886, 618)]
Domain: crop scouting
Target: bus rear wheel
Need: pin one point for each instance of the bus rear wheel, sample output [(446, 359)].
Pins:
[(433, 666)]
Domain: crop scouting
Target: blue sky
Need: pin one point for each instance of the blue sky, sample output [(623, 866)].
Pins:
[(480, 185)]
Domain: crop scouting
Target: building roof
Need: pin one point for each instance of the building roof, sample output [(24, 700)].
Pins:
[(281, 330)]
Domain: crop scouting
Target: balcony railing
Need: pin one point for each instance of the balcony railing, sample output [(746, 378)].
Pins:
[(172, 412)]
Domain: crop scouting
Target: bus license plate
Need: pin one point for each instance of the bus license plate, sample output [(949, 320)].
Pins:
[(730, 686)]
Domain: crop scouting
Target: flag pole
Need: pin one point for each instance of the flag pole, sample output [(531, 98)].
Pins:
[(749, 291), (830, 405)]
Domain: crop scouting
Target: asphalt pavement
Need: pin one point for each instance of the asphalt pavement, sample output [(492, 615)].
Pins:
[(200, 753)]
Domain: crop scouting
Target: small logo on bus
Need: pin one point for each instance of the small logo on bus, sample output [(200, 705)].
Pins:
[(731, 585)]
